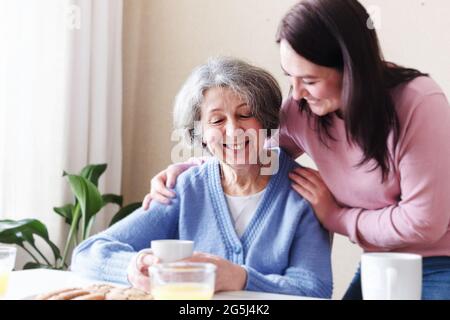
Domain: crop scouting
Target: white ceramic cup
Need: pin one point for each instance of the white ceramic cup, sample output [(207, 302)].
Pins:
[(391, 276), (171, 250)]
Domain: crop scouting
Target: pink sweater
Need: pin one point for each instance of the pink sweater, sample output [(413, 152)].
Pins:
[(410, 211)]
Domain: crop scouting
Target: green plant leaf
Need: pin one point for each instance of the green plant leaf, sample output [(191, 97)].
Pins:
[(112, 198), (9, 235), (21, 231), (125, 211), (107, 198), (55, 249), (89, 198), (66, 212), (34, 265), (93, 172), (73, 234)]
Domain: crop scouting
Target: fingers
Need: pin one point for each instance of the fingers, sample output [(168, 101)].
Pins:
[(144, 261), (161, 198), (159, 191), (149, 260), (158, 187), (157, 197), (146, 202), (313, 172), (305, 183), (140, 281), (162, 183), (310, 185), (173, 171), (201, 257), (308, 174), (195, 259), (139, 267), (302, 181), (137, 272), (305, 193)]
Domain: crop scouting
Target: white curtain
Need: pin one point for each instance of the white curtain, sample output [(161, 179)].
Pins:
[(60, 104)]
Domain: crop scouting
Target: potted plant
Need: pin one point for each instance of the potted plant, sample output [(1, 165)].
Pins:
[(79, 215)]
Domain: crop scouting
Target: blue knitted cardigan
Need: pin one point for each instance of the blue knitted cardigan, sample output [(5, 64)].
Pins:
[(284, 248)]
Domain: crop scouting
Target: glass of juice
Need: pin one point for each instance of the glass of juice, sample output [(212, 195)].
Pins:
[(7, 261), (183, 281)]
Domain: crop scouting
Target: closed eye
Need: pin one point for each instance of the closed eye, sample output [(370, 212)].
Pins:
[(215, 121)]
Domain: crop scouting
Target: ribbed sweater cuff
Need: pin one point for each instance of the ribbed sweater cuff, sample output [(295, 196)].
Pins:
[(257, 282), (305, 284), (343, 221), (115, 269)]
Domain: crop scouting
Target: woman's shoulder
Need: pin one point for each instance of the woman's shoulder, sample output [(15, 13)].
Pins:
[(289, 162), (409, 98), (415, 90), (193, 176), (292, 203), (423, 112), (291, 112), (285, 165), (281, 162)]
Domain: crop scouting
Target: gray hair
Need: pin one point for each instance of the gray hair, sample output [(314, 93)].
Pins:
[(257, 87)]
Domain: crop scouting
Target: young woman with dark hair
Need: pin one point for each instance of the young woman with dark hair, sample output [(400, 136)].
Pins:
[(378, 133)]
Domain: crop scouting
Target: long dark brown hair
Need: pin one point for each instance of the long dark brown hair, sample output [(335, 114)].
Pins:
[(339, 34)]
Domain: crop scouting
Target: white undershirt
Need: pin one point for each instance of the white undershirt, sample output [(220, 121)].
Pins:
[(242, 209)]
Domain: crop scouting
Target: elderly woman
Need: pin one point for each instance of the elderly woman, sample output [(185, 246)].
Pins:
[(240, 211)]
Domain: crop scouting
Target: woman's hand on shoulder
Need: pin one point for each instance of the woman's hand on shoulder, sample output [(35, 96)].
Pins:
[(310, 185), (161, 185), (163, 182)]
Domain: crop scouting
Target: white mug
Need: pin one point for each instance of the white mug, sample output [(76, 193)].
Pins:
[(172, 250), (391, 276)]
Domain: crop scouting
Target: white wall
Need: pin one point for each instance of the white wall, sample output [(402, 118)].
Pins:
[(165, 39)]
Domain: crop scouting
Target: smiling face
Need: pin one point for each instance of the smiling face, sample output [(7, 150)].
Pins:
[(231, 132), (320, 86)]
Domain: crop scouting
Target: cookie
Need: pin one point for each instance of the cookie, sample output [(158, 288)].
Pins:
[(96, 292)]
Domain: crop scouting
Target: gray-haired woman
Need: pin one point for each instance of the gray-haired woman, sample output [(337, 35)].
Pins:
[(254, 227)]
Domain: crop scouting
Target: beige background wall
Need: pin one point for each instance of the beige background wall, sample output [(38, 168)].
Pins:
[(165, 39)]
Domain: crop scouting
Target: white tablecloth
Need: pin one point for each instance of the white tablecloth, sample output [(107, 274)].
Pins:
[(27, 283)]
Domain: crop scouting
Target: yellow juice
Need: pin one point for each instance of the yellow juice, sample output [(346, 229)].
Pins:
[(183, 291), (4, 277)]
